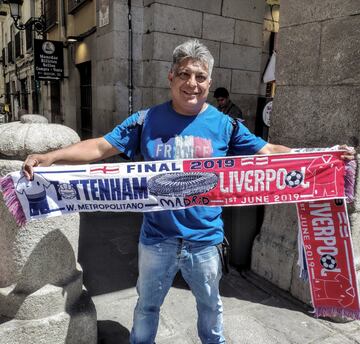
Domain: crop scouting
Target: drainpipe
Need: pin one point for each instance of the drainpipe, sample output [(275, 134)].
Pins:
[(63, 20), (63, 35), (130, 59)]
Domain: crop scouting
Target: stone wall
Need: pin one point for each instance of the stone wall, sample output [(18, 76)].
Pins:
[(233, 31), (316, 105)]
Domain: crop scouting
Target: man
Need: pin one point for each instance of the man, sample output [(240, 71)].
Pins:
[(225, 105), (182, 239)]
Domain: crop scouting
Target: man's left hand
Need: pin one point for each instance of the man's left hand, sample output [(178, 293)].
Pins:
[(349, 152)]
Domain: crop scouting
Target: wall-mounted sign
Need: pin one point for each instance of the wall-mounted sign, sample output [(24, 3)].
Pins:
[(266, 113), (49, 60)]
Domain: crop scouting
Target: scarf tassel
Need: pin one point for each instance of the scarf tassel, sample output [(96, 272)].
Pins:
[(11, 200), (336, 312), (350, 178)]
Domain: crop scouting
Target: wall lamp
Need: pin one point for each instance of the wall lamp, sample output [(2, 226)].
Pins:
[(81, 37), (72, 39), (37, 24)]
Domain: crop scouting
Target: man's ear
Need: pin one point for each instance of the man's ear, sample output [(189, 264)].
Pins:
[(210, 82), (171, 76)]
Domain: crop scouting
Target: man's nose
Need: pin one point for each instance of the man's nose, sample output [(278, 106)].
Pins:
[(192, 80)]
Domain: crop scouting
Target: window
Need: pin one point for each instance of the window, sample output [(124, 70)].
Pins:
[(24, 103), (8, 100), (35, 93), (7, 93), (55, 102), (29, 39), (74, 5), (10, 52), (17, 45), (50, 9), (85, 100), (13, 88), (4, 56)]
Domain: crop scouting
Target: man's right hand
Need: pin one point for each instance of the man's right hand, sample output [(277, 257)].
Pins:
[(34, 160), (83, 152)]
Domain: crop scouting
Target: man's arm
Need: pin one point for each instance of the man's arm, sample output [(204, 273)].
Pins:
[(270, 148), (349, 152), (79, 153)]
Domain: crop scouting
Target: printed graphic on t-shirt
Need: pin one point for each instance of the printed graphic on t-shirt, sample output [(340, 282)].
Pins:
[(183, 147)]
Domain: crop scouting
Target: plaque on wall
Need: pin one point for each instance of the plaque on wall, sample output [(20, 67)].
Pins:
[(48, 59)]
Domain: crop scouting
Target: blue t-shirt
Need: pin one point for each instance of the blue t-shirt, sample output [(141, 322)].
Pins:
[(167, 134)]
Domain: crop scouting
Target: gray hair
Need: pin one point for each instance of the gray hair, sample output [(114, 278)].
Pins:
[(193, 49)]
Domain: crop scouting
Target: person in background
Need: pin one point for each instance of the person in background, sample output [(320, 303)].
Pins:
[(225, 104)]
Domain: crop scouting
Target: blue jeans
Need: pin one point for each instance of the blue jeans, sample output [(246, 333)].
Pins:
[(201, 268)]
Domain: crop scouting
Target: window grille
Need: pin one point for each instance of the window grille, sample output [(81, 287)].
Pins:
[(29, 39), (10, 52), (17, 44), (4, 56)]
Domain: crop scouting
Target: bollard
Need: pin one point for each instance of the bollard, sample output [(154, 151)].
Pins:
[(42, 298)]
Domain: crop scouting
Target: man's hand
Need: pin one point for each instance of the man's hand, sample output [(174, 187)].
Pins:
[(83, 152), (34, 160), (349, 152)]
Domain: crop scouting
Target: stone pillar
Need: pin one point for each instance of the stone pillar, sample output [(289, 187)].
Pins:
[(42, 299), (316, 104)]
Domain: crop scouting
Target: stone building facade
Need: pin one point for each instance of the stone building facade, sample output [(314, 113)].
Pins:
[(19, 90)]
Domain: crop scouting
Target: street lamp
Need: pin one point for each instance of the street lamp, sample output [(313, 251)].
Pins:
[(38, 24)]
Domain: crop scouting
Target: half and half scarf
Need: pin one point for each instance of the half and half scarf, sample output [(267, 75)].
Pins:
[(318, 182)]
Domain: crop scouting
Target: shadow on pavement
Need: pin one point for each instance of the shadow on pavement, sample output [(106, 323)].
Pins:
[(108, 255), (108, 251), (111, 332)]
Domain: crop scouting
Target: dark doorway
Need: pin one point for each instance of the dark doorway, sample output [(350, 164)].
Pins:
[(85, 100), (55, 102)]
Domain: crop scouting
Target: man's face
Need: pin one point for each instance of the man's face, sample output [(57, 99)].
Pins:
[(222, 101), (189, 84)]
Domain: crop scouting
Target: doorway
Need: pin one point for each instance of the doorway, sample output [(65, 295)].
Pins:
[(55, 102), (85, 100)]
